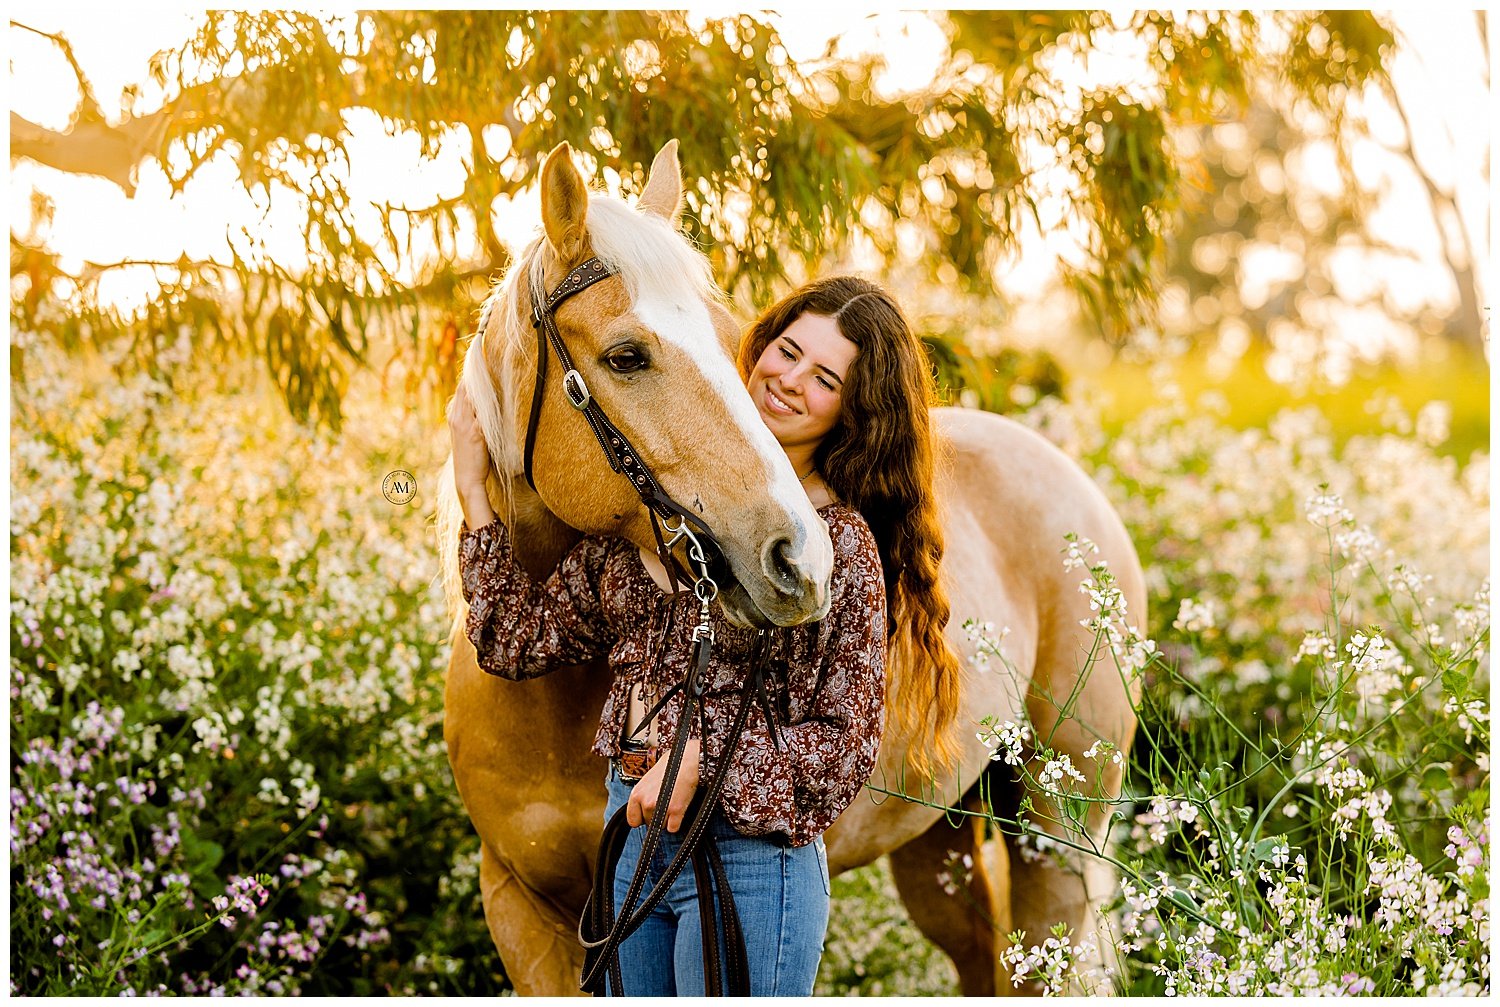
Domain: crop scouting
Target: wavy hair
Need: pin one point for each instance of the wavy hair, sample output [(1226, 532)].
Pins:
[(880, 459)]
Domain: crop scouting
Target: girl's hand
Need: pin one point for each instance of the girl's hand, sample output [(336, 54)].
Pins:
[(471, 455), (642, 804)]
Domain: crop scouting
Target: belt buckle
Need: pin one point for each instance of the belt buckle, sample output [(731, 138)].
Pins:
[(633, 764)]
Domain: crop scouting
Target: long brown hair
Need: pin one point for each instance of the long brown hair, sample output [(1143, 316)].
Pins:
[(879, 458)]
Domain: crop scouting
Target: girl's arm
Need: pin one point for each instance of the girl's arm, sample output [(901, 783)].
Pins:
[(522, 629), (519, 628)]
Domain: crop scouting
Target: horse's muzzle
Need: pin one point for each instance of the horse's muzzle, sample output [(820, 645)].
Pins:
[(741, 609)]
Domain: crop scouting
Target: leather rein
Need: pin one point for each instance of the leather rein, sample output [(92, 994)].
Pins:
[(602, 928)]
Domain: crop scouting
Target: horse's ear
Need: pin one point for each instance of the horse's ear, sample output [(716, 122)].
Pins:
[(663, 193), (565, 203)]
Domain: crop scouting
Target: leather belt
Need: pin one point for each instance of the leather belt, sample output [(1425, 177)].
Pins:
[(632, 764)]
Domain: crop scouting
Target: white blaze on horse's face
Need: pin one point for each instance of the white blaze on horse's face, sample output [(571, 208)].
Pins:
[(794, 561), (686, 411)]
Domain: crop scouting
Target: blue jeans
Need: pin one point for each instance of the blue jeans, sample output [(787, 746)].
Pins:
[(781, 893)]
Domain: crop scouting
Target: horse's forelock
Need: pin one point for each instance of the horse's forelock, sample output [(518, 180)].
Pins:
[(655, 260)]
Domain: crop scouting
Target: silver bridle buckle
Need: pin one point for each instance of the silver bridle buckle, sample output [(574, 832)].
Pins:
[(575, 389), (707, 591)]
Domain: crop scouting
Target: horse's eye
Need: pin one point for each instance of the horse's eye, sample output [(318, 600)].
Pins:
[(626, 359)]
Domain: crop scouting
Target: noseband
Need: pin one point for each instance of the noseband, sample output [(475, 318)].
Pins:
[(703, 547)]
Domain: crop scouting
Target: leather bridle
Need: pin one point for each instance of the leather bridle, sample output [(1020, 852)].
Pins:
[(601, 929), (622, 456)]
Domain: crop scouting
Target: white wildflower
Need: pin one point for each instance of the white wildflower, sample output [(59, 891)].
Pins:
[(1077, 552), (1327, 509), (1433, 421), (1316, 644), (1006, 742), (1194, 616)]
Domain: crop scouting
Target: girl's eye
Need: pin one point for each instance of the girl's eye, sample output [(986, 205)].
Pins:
[(787, 353), (827, 384)]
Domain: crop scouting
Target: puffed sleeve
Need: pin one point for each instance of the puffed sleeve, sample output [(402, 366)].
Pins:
[(826, 756), (522, 629)]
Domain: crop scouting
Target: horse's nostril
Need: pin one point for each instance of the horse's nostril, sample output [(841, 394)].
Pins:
[(780, 568)]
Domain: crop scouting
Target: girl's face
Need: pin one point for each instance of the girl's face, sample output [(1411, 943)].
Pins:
[(798, 382)]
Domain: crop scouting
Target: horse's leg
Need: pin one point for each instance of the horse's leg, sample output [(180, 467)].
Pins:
[(969, 925), (1064, 885), (543, 955), (1071, 889)]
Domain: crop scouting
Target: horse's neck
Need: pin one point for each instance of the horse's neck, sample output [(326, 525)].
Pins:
[(538, 537)]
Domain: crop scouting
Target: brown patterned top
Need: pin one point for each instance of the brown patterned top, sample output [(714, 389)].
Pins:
[(826, 679)]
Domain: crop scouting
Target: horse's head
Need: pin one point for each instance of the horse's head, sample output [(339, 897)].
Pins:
[(655, 346)]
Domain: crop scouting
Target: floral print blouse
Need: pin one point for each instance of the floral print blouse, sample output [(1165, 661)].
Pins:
[(825, 680)]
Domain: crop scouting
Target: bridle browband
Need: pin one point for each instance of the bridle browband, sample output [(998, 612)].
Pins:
[(704, 549)]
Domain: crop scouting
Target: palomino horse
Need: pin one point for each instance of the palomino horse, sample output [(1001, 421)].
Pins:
[(519, 751)]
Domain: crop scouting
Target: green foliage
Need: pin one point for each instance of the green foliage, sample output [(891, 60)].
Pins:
[(1000, 382), (873, 948), (1334, 52), (784, 163), (1118, 140)]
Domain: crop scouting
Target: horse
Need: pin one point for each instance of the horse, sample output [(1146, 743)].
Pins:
[(1008, 497)]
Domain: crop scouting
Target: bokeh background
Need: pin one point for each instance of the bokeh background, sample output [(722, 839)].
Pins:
[(1234, 263)]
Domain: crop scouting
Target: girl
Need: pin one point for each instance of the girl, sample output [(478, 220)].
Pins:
[(839, 378)]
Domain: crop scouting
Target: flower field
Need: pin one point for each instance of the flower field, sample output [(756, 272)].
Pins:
[(228, 772), (227, 651), (1311, 791)]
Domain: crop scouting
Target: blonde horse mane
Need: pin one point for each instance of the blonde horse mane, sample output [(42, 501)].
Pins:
[(651, 257)]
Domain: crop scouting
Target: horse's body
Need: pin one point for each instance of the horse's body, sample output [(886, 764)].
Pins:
[(519, 751)]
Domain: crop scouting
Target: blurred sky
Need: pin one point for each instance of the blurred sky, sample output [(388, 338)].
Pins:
[(1440, 74)]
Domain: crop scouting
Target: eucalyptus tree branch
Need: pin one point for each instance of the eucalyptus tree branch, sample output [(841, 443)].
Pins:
[(91, 147), (88, 107), (1484, 40)]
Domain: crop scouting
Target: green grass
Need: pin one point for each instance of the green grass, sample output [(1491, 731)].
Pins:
[(1451, 375), (873, 948)]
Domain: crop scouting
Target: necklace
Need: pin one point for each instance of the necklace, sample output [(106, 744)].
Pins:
[(810, 471)]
